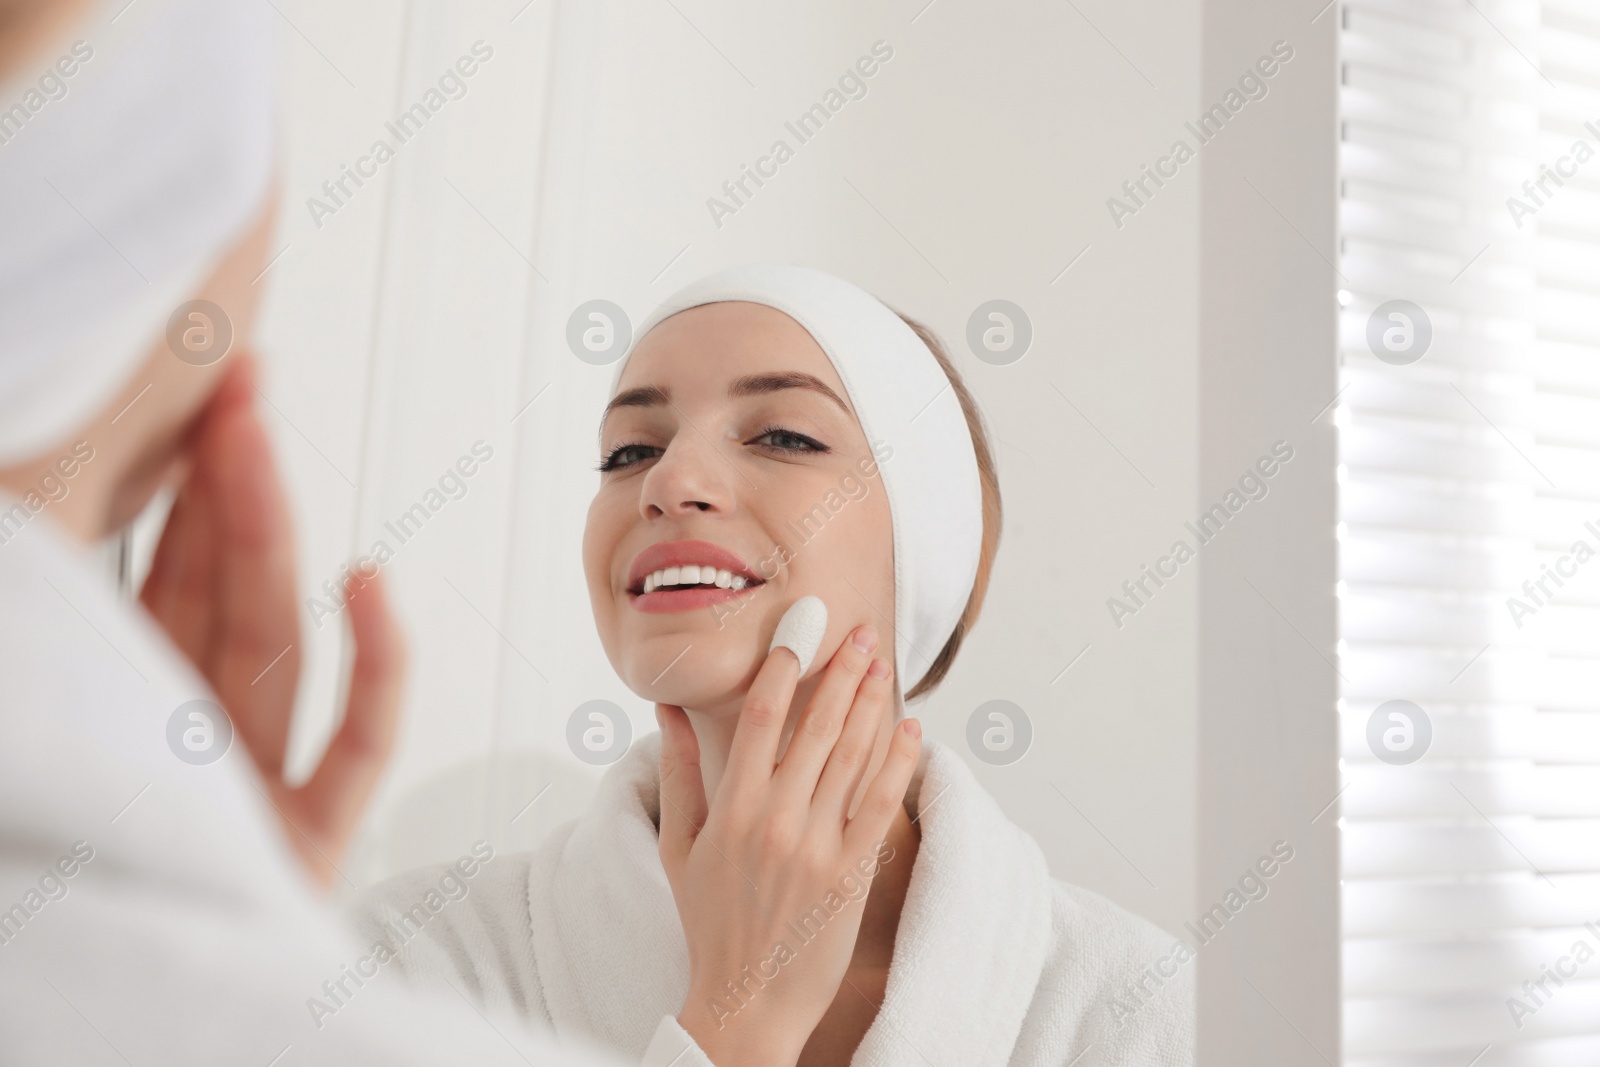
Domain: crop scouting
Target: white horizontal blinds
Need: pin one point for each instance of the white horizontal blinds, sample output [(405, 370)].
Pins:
[(1466, 473)]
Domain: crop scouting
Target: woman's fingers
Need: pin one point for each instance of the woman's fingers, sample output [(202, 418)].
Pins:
[(329, 805), (754, 753), (223, 585), (178, 590), (683, 791), (824, 716), (255, 653), (847, 763), (887, 790), (786, 824)]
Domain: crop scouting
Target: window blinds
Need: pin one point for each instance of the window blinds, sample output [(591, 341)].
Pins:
[(1470, 477)]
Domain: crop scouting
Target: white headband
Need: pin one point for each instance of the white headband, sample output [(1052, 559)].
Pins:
[(904, 401), (133, 154)]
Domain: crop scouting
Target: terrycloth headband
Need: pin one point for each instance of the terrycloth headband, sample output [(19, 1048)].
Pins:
[(904, 401), (133, 153)]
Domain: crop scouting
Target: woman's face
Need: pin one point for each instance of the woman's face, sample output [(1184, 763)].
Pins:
[(731, 450)]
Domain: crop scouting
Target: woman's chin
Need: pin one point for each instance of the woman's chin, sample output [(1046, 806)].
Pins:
[(694, 697), (692, 682)]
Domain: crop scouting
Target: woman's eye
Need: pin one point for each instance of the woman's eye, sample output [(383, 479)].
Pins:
[(789, 441), (627, 456)]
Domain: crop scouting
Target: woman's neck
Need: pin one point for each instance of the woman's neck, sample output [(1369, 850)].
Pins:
[(885, 901)]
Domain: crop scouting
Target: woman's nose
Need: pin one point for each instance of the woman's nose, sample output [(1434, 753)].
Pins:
[(690, 476)]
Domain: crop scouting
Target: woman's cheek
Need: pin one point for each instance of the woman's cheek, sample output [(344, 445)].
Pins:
[(832, 641), (599, 548)]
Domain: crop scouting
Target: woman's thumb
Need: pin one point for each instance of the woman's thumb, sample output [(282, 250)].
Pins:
[(683, 792)]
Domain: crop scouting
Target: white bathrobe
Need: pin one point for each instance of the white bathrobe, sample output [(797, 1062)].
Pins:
[(150, 909), (994, 962)]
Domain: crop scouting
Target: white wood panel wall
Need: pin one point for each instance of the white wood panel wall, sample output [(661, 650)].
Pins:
[(396, 341)]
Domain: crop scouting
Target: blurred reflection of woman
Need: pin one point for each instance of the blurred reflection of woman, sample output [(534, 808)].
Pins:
[(162, 886), (778, 433)]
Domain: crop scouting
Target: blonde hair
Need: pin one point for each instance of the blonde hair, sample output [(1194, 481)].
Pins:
[(989, 484)]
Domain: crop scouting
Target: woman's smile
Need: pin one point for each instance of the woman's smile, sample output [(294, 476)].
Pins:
[(673, 576)]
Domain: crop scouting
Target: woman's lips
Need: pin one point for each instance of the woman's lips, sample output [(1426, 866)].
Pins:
[(665, 601), (665, 559)]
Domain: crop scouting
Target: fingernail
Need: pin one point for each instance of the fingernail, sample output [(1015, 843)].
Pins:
[(865, 639), (914, 728), (879, 668)]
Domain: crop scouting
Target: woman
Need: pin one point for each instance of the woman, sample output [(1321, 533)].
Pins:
[(776, 434), (160, 888)]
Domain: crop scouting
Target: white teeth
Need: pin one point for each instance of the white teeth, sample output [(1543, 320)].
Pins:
[(692, 574)]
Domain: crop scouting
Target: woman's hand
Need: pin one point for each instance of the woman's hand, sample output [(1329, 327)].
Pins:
[(760, 878), (223, 587)]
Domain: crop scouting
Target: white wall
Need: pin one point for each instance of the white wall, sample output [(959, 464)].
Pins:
[(411, 324)]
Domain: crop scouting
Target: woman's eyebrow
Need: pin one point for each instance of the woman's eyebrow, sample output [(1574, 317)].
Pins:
[(649, 396), (758, 384), (645, 396)]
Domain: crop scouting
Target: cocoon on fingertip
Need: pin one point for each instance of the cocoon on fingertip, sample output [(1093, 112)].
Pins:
[(801, 629)]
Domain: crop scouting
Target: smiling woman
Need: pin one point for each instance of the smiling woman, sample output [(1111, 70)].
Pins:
[(751, 397), (729, 425)]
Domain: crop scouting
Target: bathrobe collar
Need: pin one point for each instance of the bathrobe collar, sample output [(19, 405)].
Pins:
[(975, 929)]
